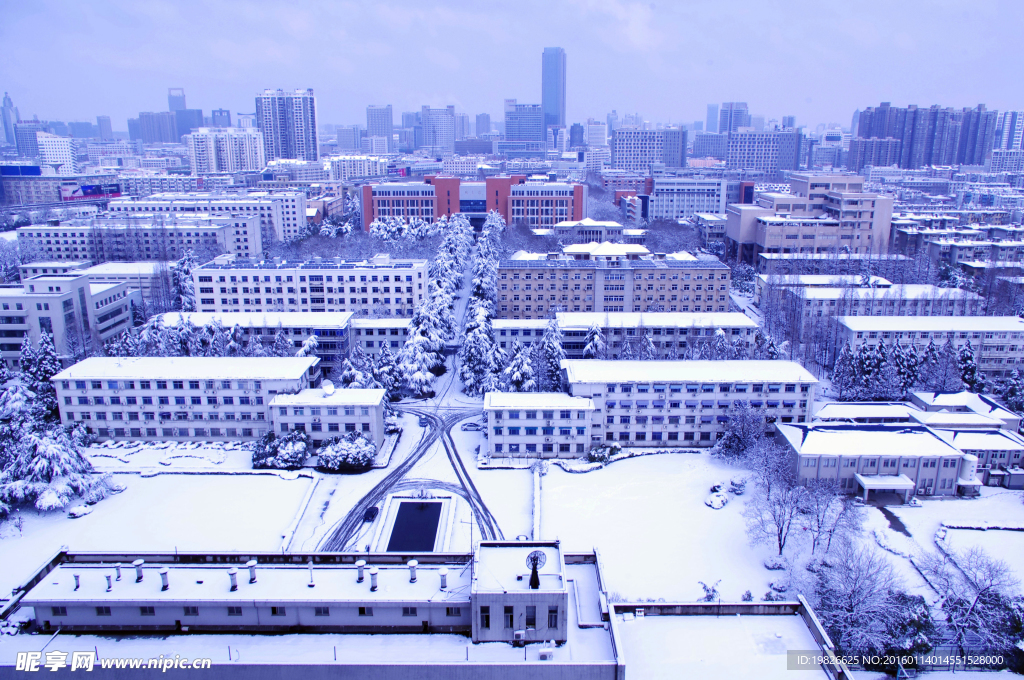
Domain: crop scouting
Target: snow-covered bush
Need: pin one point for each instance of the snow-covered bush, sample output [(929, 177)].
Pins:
[(602, 454), (748, 596), (351, 453), (283, 453), (776, 563)]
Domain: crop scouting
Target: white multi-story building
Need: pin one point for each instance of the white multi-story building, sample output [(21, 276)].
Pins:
[(595, 133), (347, 168), (679, 198), (77, 312), (381, 286), (537, 424), (288, 121), (141, 236), (331, 413), (373, 335), (281, 214), (147, 184), (649, 403), (180, 398), (60, 153), (214, 150), (637, 149), (997, 341)]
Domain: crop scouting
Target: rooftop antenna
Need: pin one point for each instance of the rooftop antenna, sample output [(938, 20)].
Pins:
[(534, 561)]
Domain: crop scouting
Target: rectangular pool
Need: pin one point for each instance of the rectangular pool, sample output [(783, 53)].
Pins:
[(415, 528)]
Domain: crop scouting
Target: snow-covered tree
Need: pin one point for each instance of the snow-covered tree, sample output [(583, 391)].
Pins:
[(519, 374), (255, 348), (37, 375), (844, 376), (282, 345), (416, 362), (549, 371), (973, 381), (744, 429), (773, 515), (645, 347), (385, 373), (766, 348), (594, 345), (627, 353), (830, 513), (287, 452), (309, 347), (236, 342), (350, 376), (151, 337), (352, 452), (475, 369), (184, 287)]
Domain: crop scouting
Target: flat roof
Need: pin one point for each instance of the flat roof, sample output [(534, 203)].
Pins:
[(503, 568), (524, 400), (339, 397), (832, 256), (262, 319), (984, 440), (130, 268), (847, 410), (202, 368), (950, 419), (614, 371), (821, 279), (833, 439), (654, 319), (979, 403), (383, 322), (98, 288), (932, 323), (906, 291)]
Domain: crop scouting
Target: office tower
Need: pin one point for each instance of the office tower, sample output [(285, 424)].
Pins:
[(105, 130), (348, 137), (380, 123), (225, 150), (613, 121), (788, 122), (523, 122), (712, 118), (158, 128), (134, 129), (577, 136), (288, 122), (8, 117), (82, 130), (732, 116), (637, 150), (461, 126), (175, 99), (876, 152), (410, 119), (187, 120), (710, 145), (483, 124), (552, 94), (220, 118), (438, 130), (596, 133), (767, 152), (25, 138), (60, 153), (757, 122)]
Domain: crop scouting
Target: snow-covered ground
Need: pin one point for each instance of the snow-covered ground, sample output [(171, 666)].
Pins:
[(168, 512)]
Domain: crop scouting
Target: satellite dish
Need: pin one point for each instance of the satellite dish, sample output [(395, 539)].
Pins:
[(328, 387), (535, 561)]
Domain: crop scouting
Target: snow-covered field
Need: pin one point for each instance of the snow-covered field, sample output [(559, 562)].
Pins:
[(168, 512)]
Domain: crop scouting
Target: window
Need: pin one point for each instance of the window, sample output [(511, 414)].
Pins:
[(453, 611), (147, 611), (408, 611), (58, 611), (321, 611), (278, 611), (485, 617), (531, 617), (102, 611), (552, 617), (234, 611), (509, 616), (366, 611), (191, 611)]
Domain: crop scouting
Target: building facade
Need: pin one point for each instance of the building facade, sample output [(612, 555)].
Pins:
[(537, 424), (288, 122), (636, 150), (213, 150), (331, 413), (680, 198)]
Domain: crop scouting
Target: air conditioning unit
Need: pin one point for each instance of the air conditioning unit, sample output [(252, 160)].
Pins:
[(519, 636)]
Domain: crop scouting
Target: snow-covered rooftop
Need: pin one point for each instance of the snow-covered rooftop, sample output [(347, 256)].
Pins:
[(609, 371), (340, 397), (503, 568), (202, 368), (383, 322), (606, 249), (948, 420), (588, 222), (933, 323), (829, 439), (539, 400), (102, 287), (125, 269), (983, 440), (821, 280), (908, 291), (578, 320), (262, 319), (854, 410)]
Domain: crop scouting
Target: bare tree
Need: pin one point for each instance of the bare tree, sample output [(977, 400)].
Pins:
[(776, 507), (830, 514)]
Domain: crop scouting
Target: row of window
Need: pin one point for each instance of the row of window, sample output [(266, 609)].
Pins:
[(114, 400), (312, 279), (529, 617), (546, 431), (704, 403), (544, 415), (887, 463), (319, 410), (319, 427), (166, 415), (162, 384), (135, 432), (274, 611), (641, 388)]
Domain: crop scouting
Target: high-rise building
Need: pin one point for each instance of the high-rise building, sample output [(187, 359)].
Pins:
[(175, 99), (214, 150), (380, 123), (105, 130), (552, 94), (576, 136), (438, 130), (410, 119), (596, 133), (932, 136), (158, 128), (348, 137), (25, 138), (767, 152), (788, 122), (220, 118), (461, 127), (524, 122), (483, 124), (60, 153), (876, 152), (8, 117), (187, 120), (613, 121), (712, 118), (710, 145), (288, 122), (637, 150), (733, 116)]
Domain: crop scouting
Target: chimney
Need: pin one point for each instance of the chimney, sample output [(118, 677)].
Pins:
[(251, 565), (373, 579), (164, 585), (110, 586), (117, 568), (444, 577), (77, 584), (360, 564), (233, 575), (138, 570), (412, 570)]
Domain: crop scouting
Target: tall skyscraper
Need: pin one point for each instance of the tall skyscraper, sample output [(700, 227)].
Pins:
[(380, 123), (461, 126), (25, 138), (438, 129), (288, 122), (105, 130), (158, 128), (60, 153), (483, 124), (187, 120), (175, 99), (576, 136), (712, 117), (8, 117), (1009, 130), (410, 119), (524, 122), (613, 121), (932, 136), (552, 94), (220, 118), (733, 116)]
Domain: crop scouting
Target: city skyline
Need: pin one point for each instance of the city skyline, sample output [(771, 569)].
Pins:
[(668, 80)]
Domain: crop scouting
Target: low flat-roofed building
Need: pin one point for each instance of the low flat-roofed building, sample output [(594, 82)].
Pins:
[(537, 424), (372, 335), (866, 412), (152, 279), (52, 267), (661, 403), (586, 230), (778, 282), (966, 402), (996, 450), (863, 458), (994, 339), (823, 263), (180, 398), (330, 413)]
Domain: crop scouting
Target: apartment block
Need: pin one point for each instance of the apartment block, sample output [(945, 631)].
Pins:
[(636, 150), (649, 403), (330, 413), (537, 424), (213, 150), (75, 311), (288, 122), (767, 152), (281, 214), (141, 236), (381, 286), (179, 398), (60, 153), (679, 198), (767, 285), (998, 341)]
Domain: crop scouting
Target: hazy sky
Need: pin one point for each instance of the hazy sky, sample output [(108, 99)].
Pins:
[(815, 59)]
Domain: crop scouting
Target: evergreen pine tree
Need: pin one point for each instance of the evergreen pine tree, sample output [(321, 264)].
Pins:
[(417, 362), (309, 347), (844, 375), (594, 346), (28, 355), (646, 350), (946, 376), (282, 345), (519, 375), (1012, 392), (184, 287), (973, 381), (550, 370), (385, 373), (255, 347), (38, 376), (627, 353), (476, 370), (236, 342)]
